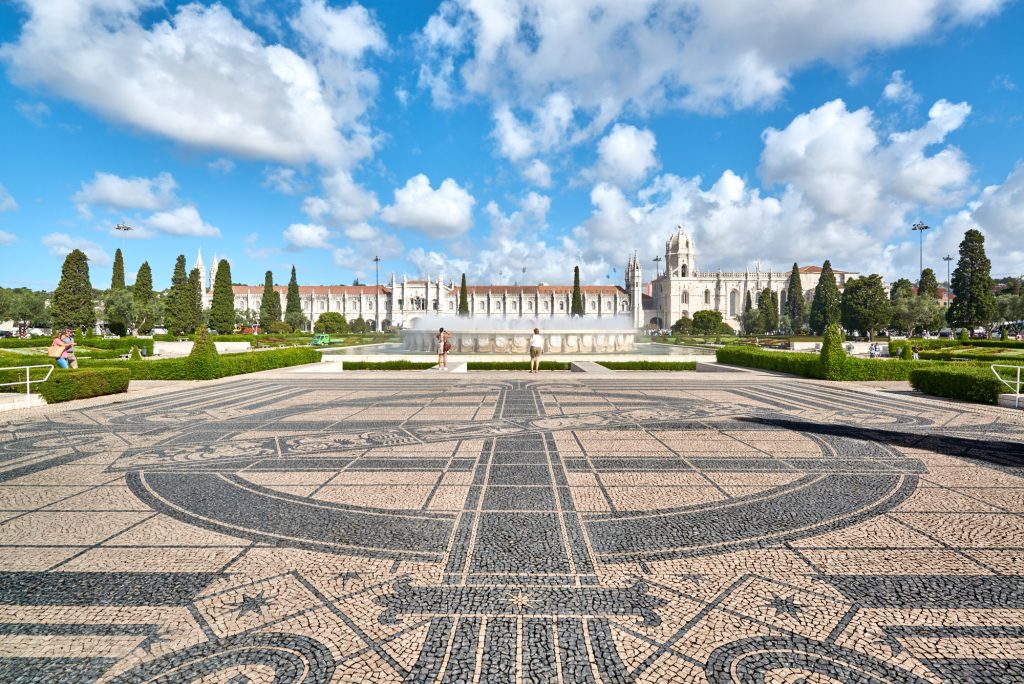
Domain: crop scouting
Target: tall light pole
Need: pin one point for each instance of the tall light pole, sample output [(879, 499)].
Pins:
[(947, 259), (376, 293), (920, 227)]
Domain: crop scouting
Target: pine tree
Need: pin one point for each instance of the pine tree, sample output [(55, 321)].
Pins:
[(177, 313), (293, 304), (195, 299), (463, 298), (222, 310), (972, 284), (117, 279), (72, 304), (796, 307), (270, 304), (577, 297), (928, 286), (145, 300), (825, 306)]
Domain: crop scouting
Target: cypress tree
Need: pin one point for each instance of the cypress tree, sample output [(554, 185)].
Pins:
[(293, 304), (832, 358), (768, 308), (928, 286), (72, 304), (195, 299), (577, 296), (177, 315), (145, 301), (796, 308), (463, 298), (972, 284), (748, 305), (117, 279), (222, 310), (825, 306), (270, 304)]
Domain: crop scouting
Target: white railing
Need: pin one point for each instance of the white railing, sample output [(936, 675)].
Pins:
[(1015, 385), (28, 381)]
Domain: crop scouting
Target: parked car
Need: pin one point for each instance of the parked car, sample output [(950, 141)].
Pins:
[(6, 333), (159, 331), (945, 334)]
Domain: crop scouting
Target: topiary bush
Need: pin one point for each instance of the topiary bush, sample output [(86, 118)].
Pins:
[(968, 383), (203, 362), (833, 356), (907, 353), (963, 336), (82, 384)]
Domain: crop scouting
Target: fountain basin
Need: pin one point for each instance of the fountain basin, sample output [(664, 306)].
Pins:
[(518, 341)]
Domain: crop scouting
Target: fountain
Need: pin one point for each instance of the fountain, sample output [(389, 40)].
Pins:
[(512, 335)]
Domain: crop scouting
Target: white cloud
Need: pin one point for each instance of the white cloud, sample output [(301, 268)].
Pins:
[(344, 201), (900, 91), (284, 180), (36, 112), (181, 221), (538, 173), (445, 212), (222, 165), (548, 129), (7, 238), (625, 156), (114, 191), (531, 217), (999, 212), (199, 77), (7, 202), (608, 56), (307, 236), (62, 244)]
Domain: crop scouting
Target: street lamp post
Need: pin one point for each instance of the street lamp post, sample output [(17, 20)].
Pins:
[(376, 293), (947, 259), (920, 227)]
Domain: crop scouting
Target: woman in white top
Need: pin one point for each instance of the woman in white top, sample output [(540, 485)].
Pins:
[(536, 349), (443, 346)]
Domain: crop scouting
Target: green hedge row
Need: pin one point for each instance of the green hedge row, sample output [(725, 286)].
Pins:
[(950, 345), (188, 368), (649, 365), (122, 345), (81, 384), (991, 357), (809, 365), (968, 383)]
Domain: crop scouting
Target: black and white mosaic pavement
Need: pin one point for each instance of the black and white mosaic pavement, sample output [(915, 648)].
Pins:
[(634, 528)]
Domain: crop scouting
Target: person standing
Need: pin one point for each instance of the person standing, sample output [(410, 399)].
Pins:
[(536, 349), (444, 345)]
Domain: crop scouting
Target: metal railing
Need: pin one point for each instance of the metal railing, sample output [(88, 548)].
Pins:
[(28, 381), (1015, 385)]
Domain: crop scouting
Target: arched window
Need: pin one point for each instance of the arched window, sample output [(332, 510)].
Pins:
[(707, 297), (561, 305), (481, 307), (683, 271), (451, 306), (529, 306), (734, 302), (686, 298), (546, 305)]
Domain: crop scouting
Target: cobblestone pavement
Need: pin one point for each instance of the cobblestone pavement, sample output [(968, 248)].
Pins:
[(493, 528)]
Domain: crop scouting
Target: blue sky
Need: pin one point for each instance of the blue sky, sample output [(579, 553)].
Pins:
[(510, 140)]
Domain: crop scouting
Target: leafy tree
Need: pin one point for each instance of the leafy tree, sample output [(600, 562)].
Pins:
[(928, 286), (247, 318), (825, 305), (463, 298), (577, 297), (270, 304), (796, 307), (177, 310), (707, 322), (928, 313), (72, 303), (279, 328), (768, 310), (865, 305), (293, 304), (25, 307), (900, 289), (972, 284), (222, 310), (832, 357), (332, 323), (684, 326), (360, 326), (752, 322), (195, 299), (146, 307)]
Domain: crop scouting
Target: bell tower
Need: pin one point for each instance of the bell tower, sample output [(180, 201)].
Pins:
[(635, 288), (680, 255)]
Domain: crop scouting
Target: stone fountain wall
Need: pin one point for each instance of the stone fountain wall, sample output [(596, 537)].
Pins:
[(517, 342)]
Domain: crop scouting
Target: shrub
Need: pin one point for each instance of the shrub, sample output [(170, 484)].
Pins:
[(229, 364), (810, 365), (908, 353), (649, 365), (963, 336), (958, 382), (82, 384), (136, 354), (279, 328), (833, 356), (203, 361)]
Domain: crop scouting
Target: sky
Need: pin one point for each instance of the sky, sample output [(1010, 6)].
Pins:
[(507, 139)]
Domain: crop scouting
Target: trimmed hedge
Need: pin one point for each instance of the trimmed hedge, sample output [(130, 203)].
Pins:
[(649, 365), (896, 346), (968, 383), (516, 365), (232, 364), (809, 365), (82, 384), (991, 357), (122, 345)]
